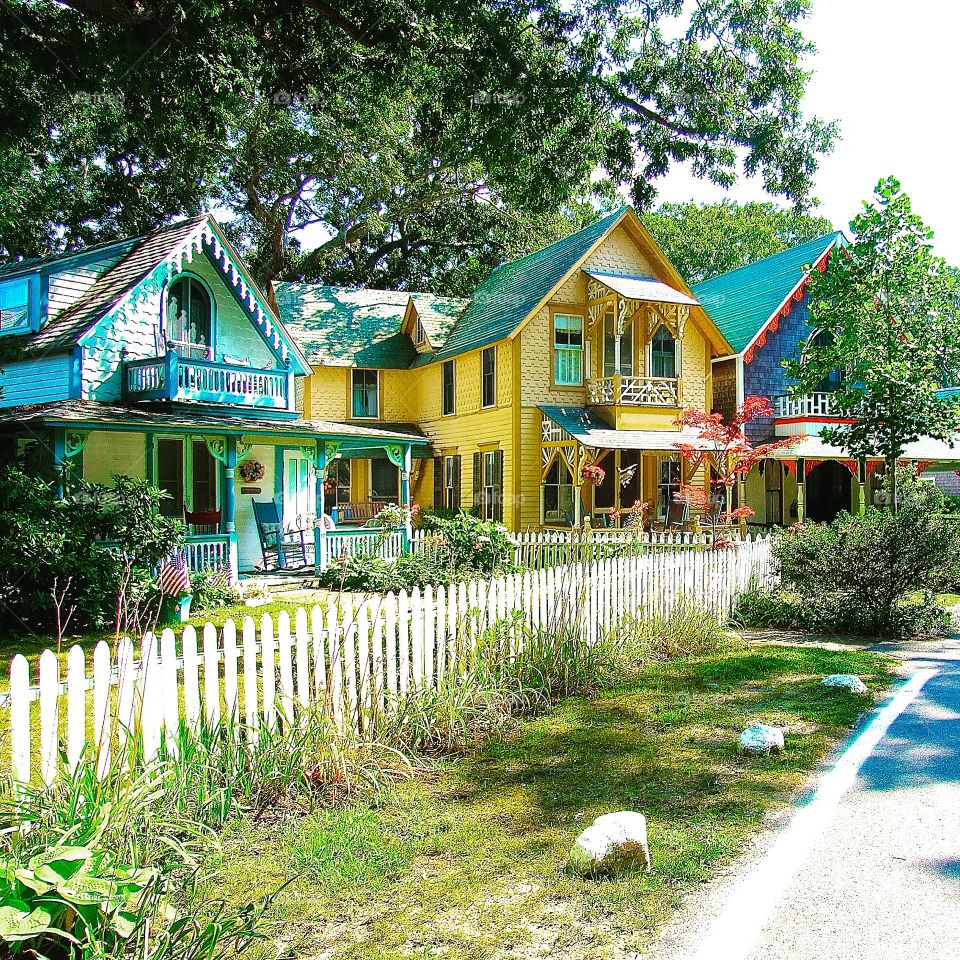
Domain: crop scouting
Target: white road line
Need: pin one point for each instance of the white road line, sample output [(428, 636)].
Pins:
[(736, 928)]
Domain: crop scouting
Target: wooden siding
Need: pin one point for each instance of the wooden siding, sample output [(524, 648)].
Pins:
[(135, 331), (66, 287), (36, 381), (109, 452)]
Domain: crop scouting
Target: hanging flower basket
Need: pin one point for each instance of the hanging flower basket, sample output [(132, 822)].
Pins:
[(594, 473), (251, 471)]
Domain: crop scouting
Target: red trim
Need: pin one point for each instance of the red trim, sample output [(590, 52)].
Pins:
[(790, 466), (809, 465), (843, 420), (873, 465), (775, 323), (748, 356), (923, 464), (852, 466)]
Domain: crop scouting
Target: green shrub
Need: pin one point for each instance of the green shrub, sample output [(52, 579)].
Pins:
[(80, 560), (459, 548), (876, 573), (212, 589), (769, 608)]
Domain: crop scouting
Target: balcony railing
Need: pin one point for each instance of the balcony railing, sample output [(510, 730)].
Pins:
[(811, 405), (624, 391), (172, 377)]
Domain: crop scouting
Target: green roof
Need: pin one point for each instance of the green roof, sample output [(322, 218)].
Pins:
[(504, 300), (350, 326), (741, 301)]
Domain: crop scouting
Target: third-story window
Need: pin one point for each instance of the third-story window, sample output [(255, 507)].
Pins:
[(567, 350), (449, 388), (189, 318), (488, 380), (365, 394), (663, 354)]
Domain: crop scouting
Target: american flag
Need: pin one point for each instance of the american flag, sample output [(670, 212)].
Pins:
[(174, 577)]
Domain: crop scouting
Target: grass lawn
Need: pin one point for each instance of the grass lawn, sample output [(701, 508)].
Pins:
[(468, 862)]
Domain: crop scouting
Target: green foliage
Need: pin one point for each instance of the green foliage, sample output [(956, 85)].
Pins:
[(862, 574), (886, 311), (211, 589), (80, 560), (703, 240), (69, 895), (424, 141), (460, 547)]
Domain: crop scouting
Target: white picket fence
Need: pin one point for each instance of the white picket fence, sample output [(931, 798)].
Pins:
[(361, 653)]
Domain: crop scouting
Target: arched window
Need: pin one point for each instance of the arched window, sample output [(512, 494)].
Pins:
[(189, 317), (663, 354)]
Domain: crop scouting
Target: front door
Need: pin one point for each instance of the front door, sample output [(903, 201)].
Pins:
[(299, 491), (773, 483)]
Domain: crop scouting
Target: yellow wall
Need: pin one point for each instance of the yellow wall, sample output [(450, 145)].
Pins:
[(524, 381), (105, 454)]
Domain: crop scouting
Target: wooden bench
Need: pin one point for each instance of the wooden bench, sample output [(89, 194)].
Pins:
[(357, 513)]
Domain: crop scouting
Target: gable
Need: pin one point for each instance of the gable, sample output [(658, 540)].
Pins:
[(743, 302), (115, 294)]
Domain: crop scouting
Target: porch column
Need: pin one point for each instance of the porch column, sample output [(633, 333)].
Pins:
[(405, 492), (320, 533), (801, 484), (58, 447), (861, 487), (230, 505)]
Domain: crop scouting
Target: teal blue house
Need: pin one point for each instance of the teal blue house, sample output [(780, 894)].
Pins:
[(158, 356)]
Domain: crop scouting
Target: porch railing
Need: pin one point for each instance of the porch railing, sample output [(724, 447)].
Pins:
[(362, 542), (172, 377), (207, 551), (625, 391), (811, 405)]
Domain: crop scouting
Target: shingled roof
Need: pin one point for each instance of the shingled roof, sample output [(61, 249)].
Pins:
[(65, 330), (512, 291), (740, 302)]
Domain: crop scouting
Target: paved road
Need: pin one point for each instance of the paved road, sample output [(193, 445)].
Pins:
[(879, 878)]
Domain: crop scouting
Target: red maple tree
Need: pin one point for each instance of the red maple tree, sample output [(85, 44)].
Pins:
[(723, 446)]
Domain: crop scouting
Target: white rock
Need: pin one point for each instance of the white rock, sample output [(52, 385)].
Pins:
[(846, 681), (613, 842), (761, 738)]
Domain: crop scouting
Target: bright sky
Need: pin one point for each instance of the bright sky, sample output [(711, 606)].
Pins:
[(887, 71)]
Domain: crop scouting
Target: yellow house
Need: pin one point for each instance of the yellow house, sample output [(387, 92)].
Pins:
[(583, 353)]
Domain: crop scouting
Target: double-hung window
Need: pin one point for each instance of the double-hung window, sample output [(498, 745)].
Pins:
[(451, 483), (488, 377), (663, 354), (449, 388), (365, 393), (567, 350), (15, 305), (668, 483), (610, 348), (187, 473)]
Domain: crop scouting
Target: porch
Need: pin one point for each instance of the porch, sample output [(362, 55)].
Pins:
[(594, 473), (218, 468)]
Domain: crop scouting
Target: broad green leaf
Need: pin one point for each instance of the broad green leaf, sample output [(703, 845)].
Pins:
[(24, 924)]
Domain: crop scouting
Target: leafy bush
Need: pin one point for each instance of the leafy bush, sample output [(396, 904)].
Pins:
[(459, 548), (875, 573), (212, 589)]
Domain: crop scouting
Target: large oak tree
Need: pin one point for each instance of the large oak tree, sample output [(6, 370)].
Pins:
[(416, 141)]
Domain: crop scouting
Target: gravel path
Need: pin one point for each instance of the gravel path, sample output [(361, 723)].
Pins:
[(879, 876)]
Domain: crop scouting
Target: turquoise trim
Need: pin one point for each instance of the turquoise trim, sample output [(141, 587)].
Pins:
[(76, 373), (278, 472)]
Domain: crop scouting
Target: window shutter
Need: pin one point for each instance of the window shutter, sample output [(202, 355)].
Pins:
[(477, 478), (498, 486), (456, 482), (437, 482)]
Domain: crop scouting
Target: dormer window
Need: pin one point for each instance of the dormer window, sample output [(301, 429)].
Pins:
[(420, 335), (188, 323), (15, 306)]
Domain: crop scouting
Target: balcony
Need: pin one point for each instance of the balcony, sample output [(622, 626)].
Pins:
[(815, 405), (174, 377), (624, 391)]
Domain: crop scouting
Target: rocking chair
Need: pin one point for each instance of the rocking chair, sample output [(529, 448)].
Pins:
[(281, 549)]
